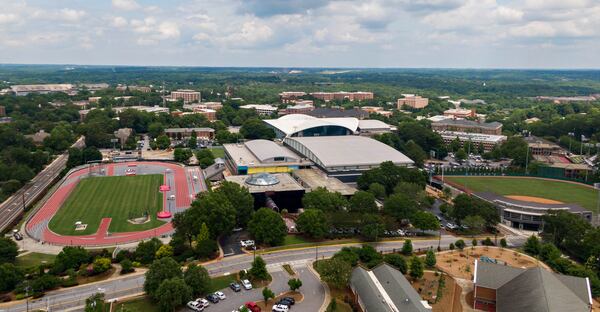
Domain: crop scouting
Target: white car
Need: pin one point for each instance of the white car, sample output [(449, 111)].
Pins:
[(247, 285), (220, 295), (247, 243), (195, 305), (203, 302), (281, 308)]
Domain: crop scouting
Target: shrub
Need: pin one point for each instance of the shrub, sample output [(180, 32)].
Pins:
[(126, 266), (101, 265), (460, 244)]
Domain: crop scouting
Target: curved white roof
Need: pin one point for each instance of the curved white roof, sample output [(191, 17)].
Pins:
[(290, 124)]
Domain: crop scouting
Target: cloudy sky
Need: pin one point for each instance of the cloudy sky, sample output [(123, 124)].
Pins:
[(294, 33)]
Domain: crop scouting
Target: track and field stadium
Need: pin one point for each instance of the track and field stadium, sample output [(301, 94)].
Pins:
[(524, 200), (116, 203)]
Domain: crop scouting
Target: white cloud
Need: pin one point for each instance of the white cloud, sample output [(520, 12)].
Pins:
[(251, 32), (119, 22), (6, 18), (126, 5), (71, 15)]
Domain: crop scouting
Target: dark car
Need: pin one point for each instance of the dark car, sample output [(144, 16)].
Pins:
[(212, 298), (18, 236), (288, 301), (235, 287)]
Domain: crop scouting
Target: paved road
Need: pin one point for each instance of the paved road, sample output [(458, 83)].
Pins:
[(75, 297), (13, 208)]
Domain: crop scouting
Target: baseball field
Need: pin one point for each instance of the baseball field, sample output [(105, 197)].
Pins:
[(555, 190), (117, 197)]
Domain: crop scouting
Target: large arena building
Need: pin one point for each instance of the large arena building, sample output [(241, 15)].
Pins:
[(300, 125)]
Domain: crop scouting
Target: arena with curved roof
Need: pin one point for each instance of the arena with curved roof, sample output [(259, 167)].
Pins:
[(300, 125)]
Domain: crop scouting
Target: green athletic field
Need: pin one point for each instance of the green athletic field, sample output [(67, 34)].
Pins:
[(118, 197), (565, 192)]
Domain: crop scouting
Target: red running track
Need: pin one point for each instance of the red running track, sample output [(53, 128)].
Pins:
[(101, 237)]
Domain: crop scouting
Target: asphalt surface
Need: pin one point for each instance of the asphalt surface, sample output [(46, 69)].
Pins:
[(117, 288), (13, 208)]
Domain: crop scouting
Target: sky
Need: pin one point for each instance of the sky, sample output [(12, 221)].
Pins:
[(303, 33)]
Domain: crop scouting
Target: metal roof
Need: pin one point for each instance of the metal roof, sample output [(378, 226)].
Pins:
[(265, 150), (349, 150), (385, 289), (469, 123), (533, 289)]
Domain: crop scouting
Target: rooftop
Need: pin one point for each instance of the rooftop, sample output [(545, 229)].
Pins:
[(475, 137), (324, 112), (349, 150), (261, 152), (314, 178), (266, 182), (293, 123), (469, 123)]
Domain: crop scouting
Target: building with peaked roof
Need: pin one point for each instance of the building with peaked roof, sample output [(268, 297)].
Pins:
[(503, 288), (385, 289), (346, 157)]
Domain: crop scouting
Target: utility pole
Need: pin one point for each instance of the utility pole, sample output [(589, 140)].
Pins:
[(316, 251)]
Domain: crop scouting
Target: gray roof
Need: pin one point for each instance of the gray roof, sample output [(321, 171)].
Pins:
[(265, 150), (324, 112), (533, 289), (349, 150), (403, 297), (470, 123)]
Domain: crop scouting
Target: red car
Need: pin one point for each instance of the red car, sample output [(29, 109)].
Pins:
[(252, 306)]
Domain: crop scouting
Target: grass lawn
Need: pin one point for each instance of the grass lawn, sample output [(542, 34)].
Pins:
[(294, 240), (218, 152), (556, 190), (221, 282), (33, 259), (139, 304), (119, 198)]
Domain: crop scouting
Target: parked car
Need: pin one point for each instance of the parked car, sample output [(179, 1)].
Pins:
[(247, 243), (280, 308), (252, 306), (220, 295), (451, 226), (288, 301), (247, 285), (17, 235), (235, 287), (212, 298), (195, 305), (203, 302)]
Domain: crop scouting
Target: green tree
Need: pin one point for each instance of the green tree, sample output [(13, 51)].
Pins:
[(204, 233), (267, 294), (425, 221), (400, 206), (415, 152), (255, 128), (461, 155), (267, 226), (182, 155), (10, 276), (258, 271), (377, 189), (126, 266), (363, 201), (155, 129), (407, 248), (416, 268), (475, 224), (532, 246), (8, 250), (503, 243), (322, 199), (95, 303), (460, 244), (163, 141), (549, 252), (205, 158), (146, 250), (164, 251), (241, 199), (397, 261), (193, 141), (473, 242), (430, 259), (159, 271), (313, 223), (70, 258), (197, 278), (101, 265), (295, 284), (371, 227), (212, 208), (172, 293), (334, 271), (389, 175)]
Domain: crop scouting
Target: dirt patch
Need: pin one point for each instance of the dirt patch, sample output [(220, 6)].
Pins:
[(460, 264), (428, 286), (533, 199)]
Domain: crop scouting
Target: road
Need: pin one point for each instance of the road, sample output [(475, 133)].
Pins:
[(13, 208), (132, 284)]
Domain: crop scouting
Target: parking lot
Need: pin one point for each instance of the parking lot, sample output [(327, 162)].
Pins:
[(313, 291)]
